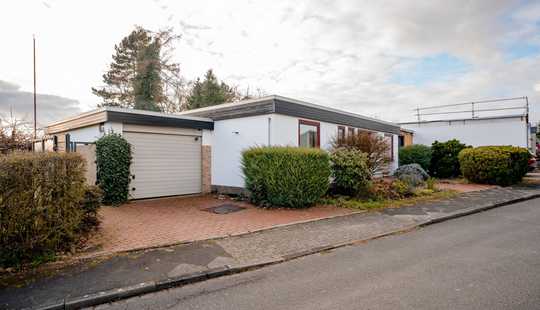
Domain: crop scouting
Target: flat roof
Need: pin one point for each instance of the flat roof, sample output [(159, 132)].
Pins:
[(288, 106), (133, 116), (127, 110)]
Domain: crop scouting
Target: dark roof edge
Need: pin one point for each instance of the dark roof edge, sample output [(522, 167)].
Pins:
[(131, 117), (290, 107), (332, 116), (158, 120)]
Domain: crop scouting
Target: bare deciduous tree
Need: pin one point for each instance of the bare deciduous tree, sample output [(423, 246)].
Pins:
[(375, 146), (15, 134)]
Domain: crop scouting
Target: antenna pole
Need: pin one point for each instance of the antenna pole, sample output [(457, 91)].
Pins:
[(35, 122)]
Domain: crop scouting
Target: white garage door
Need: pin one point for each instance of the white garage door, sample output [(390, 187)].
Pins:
[(164, 164)]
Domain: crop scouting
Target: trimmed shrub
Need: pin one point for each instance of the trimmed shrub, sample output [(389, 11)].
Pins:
[(415, 154), (501, 165), (350, 171), (113, 157), (412, 174), (444, 158), (40, 205), (286, 176)]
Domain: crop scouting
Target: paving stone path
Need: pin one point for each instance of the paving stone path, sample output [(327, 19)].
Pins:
[(268, 245)]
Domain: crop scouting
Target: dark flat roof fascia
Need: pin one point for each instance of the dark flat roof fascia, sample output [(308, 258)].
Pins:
[(295, 109), (103, 115), (238, 111), (155, 120), (319, 114)]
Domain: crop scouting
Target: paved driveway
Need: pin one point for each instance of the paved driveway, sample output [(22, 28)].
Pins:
[(158, 222), (489, 260)]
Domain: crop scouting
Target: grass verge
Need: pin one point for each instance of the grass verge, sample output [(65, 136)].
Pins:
[(420, 197)]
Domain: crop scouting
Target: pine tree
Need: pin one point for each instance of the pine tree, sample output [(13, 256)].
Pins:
[(210, 92), (139, 72), (147, 86)]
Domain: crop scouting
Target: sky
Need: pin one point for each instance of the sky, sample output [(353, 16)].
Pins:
[(377, 58)]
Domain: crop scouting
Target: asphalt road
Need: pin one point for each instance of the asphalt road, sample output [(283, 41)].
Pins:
[(489, 260)]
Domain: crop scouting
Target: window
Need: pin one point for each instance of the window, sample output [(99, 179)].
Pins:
[(340, 134), (351, 131), (308, 134), (401, 141)]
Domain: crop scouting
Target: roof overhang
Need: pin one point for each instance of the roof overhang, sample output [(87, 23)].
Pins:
[(292, 107), (129, 116)]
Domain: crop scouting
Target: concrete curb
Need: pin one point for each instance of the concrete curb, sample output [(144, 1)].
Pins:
[(215, 238), (151, 287)]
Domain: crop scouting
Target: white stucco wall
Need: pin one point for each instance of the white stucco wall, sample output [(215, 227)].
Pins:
[(92, 133), (508, 131), (231, 137)]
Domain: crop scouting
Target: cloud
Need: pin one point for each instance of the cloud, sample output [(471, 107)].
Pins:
[(378, 58), (7, 86), (49, 107)]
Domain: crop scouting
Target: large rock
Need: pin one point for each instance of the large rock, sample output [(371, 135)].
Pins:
[(413, 174)]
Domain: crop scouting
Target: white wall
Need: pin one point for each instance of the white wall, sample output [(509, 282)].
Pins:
[(92, 133), (509, 131), (229, 139), (227, 145)]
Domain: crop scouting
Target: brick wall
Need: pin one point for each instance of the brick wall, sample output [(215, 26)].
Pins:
[(206, 168)]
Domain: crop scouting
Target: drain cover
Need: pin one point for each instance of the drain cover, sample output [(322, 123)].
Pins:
[(225, 209)]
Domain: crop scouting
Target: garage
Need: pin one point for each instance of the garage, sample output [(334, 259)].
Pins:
[(171, 154), (166, 161)]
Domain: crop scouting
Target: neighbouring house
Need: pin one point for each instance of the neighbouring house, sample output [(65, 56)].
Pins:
[(198, 151), (405, 137), (497, 130)]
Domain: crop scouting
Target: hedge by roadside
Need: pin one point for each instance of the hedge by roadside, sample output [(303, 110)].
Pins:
[(501, 165), (286, 176), (40, 205)]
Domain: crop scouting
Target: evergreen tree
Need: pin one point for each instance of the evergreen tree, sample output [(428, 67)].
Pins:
[(147, 86), (141, 71), (210, 92)]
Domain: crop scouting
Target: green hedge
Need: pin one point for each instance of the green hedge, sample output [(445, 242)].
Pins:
[(444, 158), (415, 154), (286, 176), (350, 171), (501, 165), (40, 205), (113, 157)]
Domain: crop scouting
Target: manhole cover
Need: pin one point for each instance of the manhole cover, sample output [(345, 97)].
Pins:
[(225, 209)]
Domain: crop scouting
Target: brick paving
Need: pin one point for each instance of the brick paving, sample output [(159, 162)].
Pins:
[(158, 222), (152, 266)]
